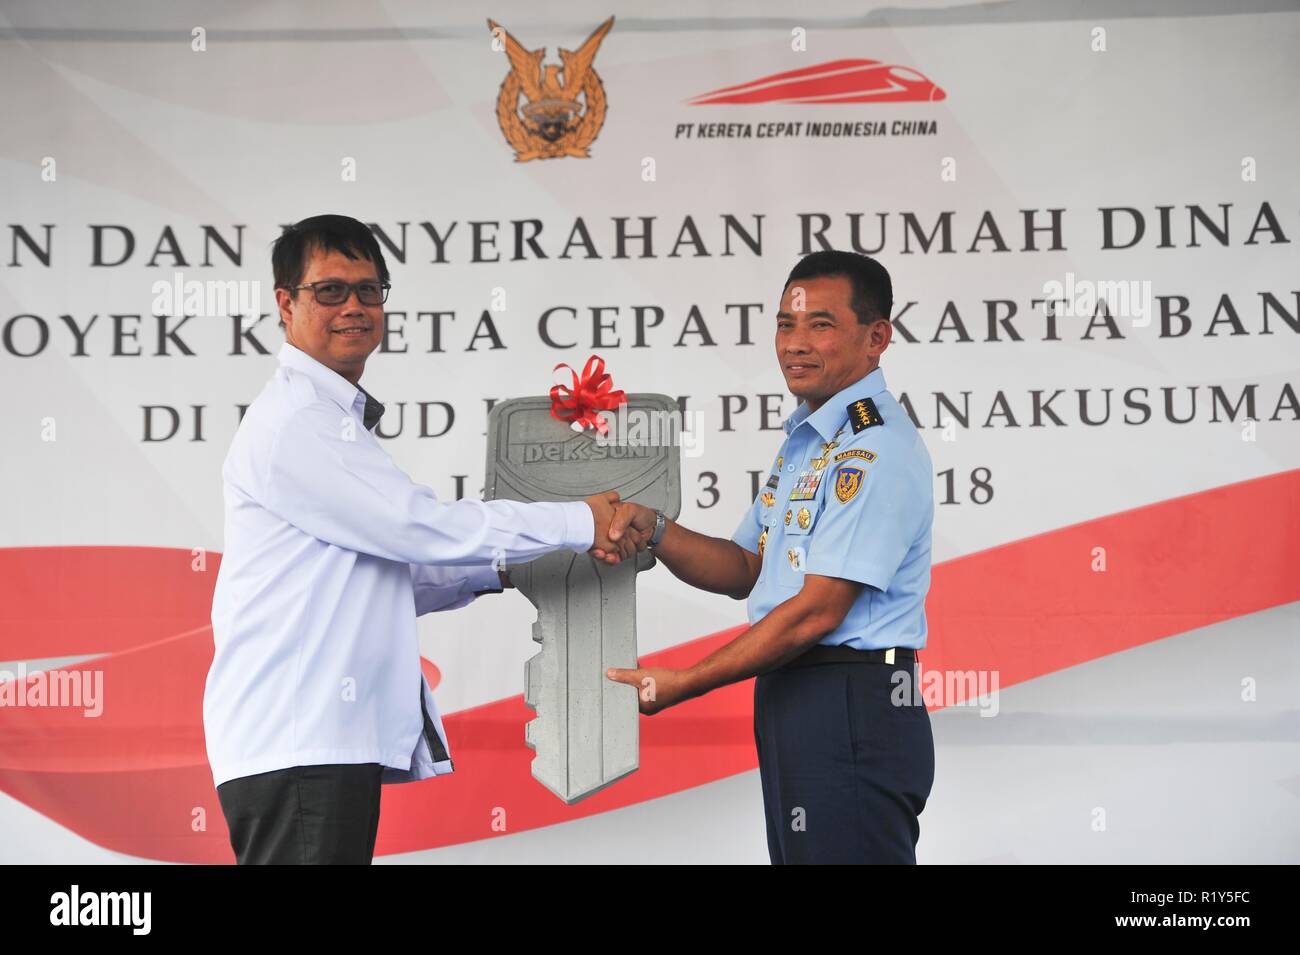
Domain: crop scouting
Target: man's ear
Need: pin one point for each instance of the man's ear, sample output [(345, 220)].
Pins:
[(284, 303), (879, 335)]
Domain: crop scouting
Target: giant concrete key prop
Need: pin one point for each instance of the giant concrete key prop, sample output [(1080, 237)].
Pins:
[(585, 734)]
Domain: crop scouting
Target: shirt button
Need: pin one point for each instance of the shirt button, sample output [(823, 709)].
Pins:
[(789, 467)]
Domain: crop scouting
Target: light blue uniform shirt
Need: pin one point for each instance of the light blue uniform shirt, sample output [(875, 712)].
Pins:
[(868, 518)]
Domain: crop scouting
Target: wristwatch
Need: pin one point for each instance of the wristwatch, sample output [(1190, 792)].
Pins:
[(660, 523)]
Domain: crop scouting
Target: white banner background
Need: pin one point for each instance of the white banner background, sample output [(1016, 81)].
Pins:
[(149, 135)]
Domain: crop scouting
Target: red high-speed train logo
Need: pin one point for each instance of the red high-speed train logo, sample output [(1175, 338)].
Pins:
[(840, 81)]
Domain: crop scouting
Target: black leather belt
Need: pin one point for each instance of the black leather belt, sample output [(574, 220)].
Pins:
[(820, 653)]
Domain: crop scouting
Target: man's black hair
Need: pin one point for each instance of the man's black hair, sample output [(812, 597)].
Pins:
[(328, 233), (873, 294)]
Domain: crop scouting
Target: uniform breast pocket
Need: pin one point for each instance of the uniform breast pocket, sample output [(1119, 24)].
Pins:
[(801, 517), (800, 521)]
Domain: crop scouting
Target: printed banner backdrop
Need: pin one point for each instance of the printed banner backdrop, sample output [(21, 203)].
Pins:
[(1091, 224)]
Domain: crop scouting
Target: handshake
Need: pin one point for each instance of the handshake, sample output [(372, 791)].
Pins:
[(622, 528)]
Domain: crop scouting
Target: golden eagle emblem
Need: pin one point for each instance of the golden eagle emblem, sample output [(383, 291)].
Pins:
[(560, 117)]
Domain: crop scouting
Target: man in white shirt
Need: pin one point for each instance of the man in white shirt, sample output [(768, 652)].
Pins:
[(331, 552)]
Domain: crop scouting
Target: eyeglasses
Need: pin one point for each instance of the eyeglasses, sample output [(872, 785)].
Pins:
[(336, 293)]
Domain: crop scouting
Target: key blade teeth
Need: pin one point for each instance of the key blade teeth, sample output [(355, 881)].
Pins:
[(540, 675), (585, 733), (532, 697)]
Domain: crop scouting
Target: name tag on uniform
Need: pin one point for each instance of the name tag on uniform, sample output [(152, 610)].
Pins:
[(805, 486)]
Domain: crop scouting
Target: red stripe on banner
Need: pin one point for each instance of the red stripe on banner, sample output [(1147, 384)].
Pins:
[(69, 601), (136, 779)]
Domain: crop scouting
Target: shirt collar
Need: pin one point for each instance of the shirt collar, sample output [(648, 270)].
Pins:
[(828, 418), (344, 393)]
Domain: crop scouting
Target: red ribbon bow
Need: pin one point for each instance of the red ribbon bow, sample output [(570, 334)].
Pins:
[(589, 394)]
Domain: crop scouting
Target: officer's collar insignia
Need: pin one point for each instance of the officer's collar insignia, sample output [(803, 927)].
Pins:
[(863, 415)]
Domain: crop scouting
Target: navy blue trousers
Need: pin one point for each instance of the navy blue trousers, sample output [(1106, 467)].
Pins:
[(845, 772)]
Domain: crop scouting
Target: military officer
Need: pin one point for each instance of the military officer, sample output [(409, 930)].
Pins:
[(834, 560)]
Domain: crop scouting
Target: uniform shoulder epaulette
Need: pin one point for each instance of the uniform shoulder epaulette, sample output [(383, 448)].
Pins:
[(863, 415)]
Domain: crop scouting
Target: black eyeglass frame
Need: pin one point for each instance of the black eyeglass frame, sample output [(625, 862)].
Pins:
[(349, 287)]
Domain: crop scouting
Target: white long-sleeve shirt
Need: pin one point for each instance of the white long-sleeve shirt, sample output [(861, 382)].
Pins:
[(331, 552)]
